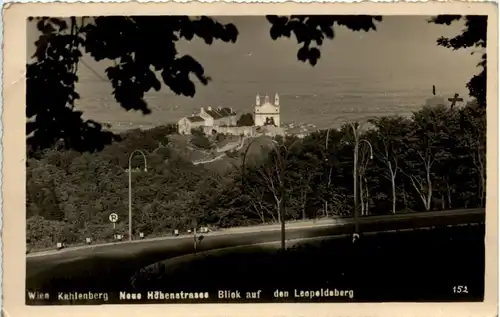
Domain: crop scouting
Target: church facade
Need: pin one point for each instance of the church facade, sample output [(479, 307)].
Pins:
[(267, 113)]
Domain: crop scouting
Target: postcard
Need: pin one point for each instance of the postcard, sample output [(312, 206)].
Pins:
[(250, 159)]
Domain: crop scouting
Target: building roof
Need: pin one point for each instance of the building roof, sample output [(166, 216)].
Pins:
[(195, 119), (220, 113)]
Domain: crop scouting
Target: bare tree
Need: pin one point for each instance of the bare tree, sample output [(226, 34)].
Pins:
[(423, 184), (388, 149), (271, 174), (260, 204), (364, 194), (391, 160)]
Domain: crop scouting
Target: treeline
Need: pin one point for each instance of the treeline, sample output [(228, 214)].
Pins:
[(435, 160)]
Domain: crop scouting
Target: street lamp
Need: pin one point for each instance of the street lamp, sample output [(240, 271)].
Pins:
[(130, 188), (371, 148), (356, 127)]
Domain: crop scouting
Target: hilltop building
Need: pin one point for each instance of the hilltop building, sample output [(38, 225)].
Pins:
[(212, 117), (267, 113), (224, 120)]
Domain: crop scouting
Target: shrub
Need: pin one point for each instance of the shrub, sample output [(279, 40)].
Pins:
[(201, 141)]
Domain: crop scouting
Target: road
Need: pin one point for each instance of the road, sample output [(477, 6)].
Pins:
[(89, 267), (236, 146)]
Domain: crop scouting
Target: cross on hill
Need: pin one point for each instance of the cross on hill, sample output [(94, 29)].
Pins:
[(454, 100)]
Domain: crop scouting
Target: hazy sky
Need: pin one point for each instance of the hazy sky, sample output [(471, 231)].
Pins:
[(400, 44), (401, 55)]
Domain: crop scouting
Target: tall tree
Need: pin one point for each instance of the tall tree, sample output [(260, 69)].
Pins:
[(389, 147)]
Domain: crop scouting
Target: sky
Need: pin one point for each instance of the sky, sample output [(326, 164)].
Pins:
[(383, 71)]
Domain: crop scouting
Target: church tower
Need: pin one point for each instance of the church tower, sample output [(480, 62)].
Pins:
[(257, 100), (267, 113)]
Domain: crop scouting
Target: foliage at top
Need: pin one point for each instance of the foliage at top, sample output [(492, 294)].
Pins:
[(473, 36), (144, 56), (143, 50)]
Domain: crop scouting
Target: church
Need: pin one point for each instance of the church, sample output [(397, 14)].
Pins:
[(266, 117), (267, 113)]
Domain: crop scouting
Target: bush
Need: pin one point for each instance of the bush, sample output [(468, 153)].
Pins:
[(42, 233), (220, 137), (201, 141), (246, 120)]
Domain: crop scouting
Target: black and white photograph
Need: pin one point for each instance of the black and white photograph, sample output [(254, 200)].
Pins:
[(179, 159)]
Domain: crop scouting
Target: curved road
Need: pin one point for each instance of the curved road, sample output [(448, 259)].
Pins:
[(95, 267), (236, 146)]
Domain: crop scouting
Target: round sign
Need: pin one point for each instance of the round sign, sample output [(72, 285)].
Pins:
[(113, 217)]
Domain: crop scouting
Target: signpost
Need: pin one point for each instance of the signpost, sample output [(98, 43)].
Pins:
[(194, 224), (113, 218)]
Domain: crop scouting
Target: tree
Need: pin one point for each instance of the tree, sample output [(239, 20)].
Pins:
[(272, 175), (472, 36), (141, 49), (313, 29), (364, 191), (389, 145), (473, 141), (256, 193), (301, 172), (428, 132), (246, 120), (70, 194)]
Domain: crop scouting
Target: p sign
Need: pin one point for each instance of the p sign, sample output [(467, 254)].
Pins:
[(113, 218)]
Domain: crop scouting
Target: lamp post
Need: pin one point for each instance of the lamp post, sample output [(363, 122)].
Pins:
[(130, 188), (356, 127)]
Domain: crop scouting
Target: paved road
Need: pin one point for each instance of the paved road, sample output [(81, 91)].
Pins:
[(89, 267), (226, 231)]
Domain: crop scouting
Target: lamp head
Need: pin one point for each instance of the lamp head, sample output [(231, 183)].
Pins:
[(145, 169), (371, 157)]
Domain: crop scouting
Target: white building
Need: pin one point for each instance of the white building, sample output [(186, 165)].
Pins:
[(186, 124), (211, 117), (267, 113)]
